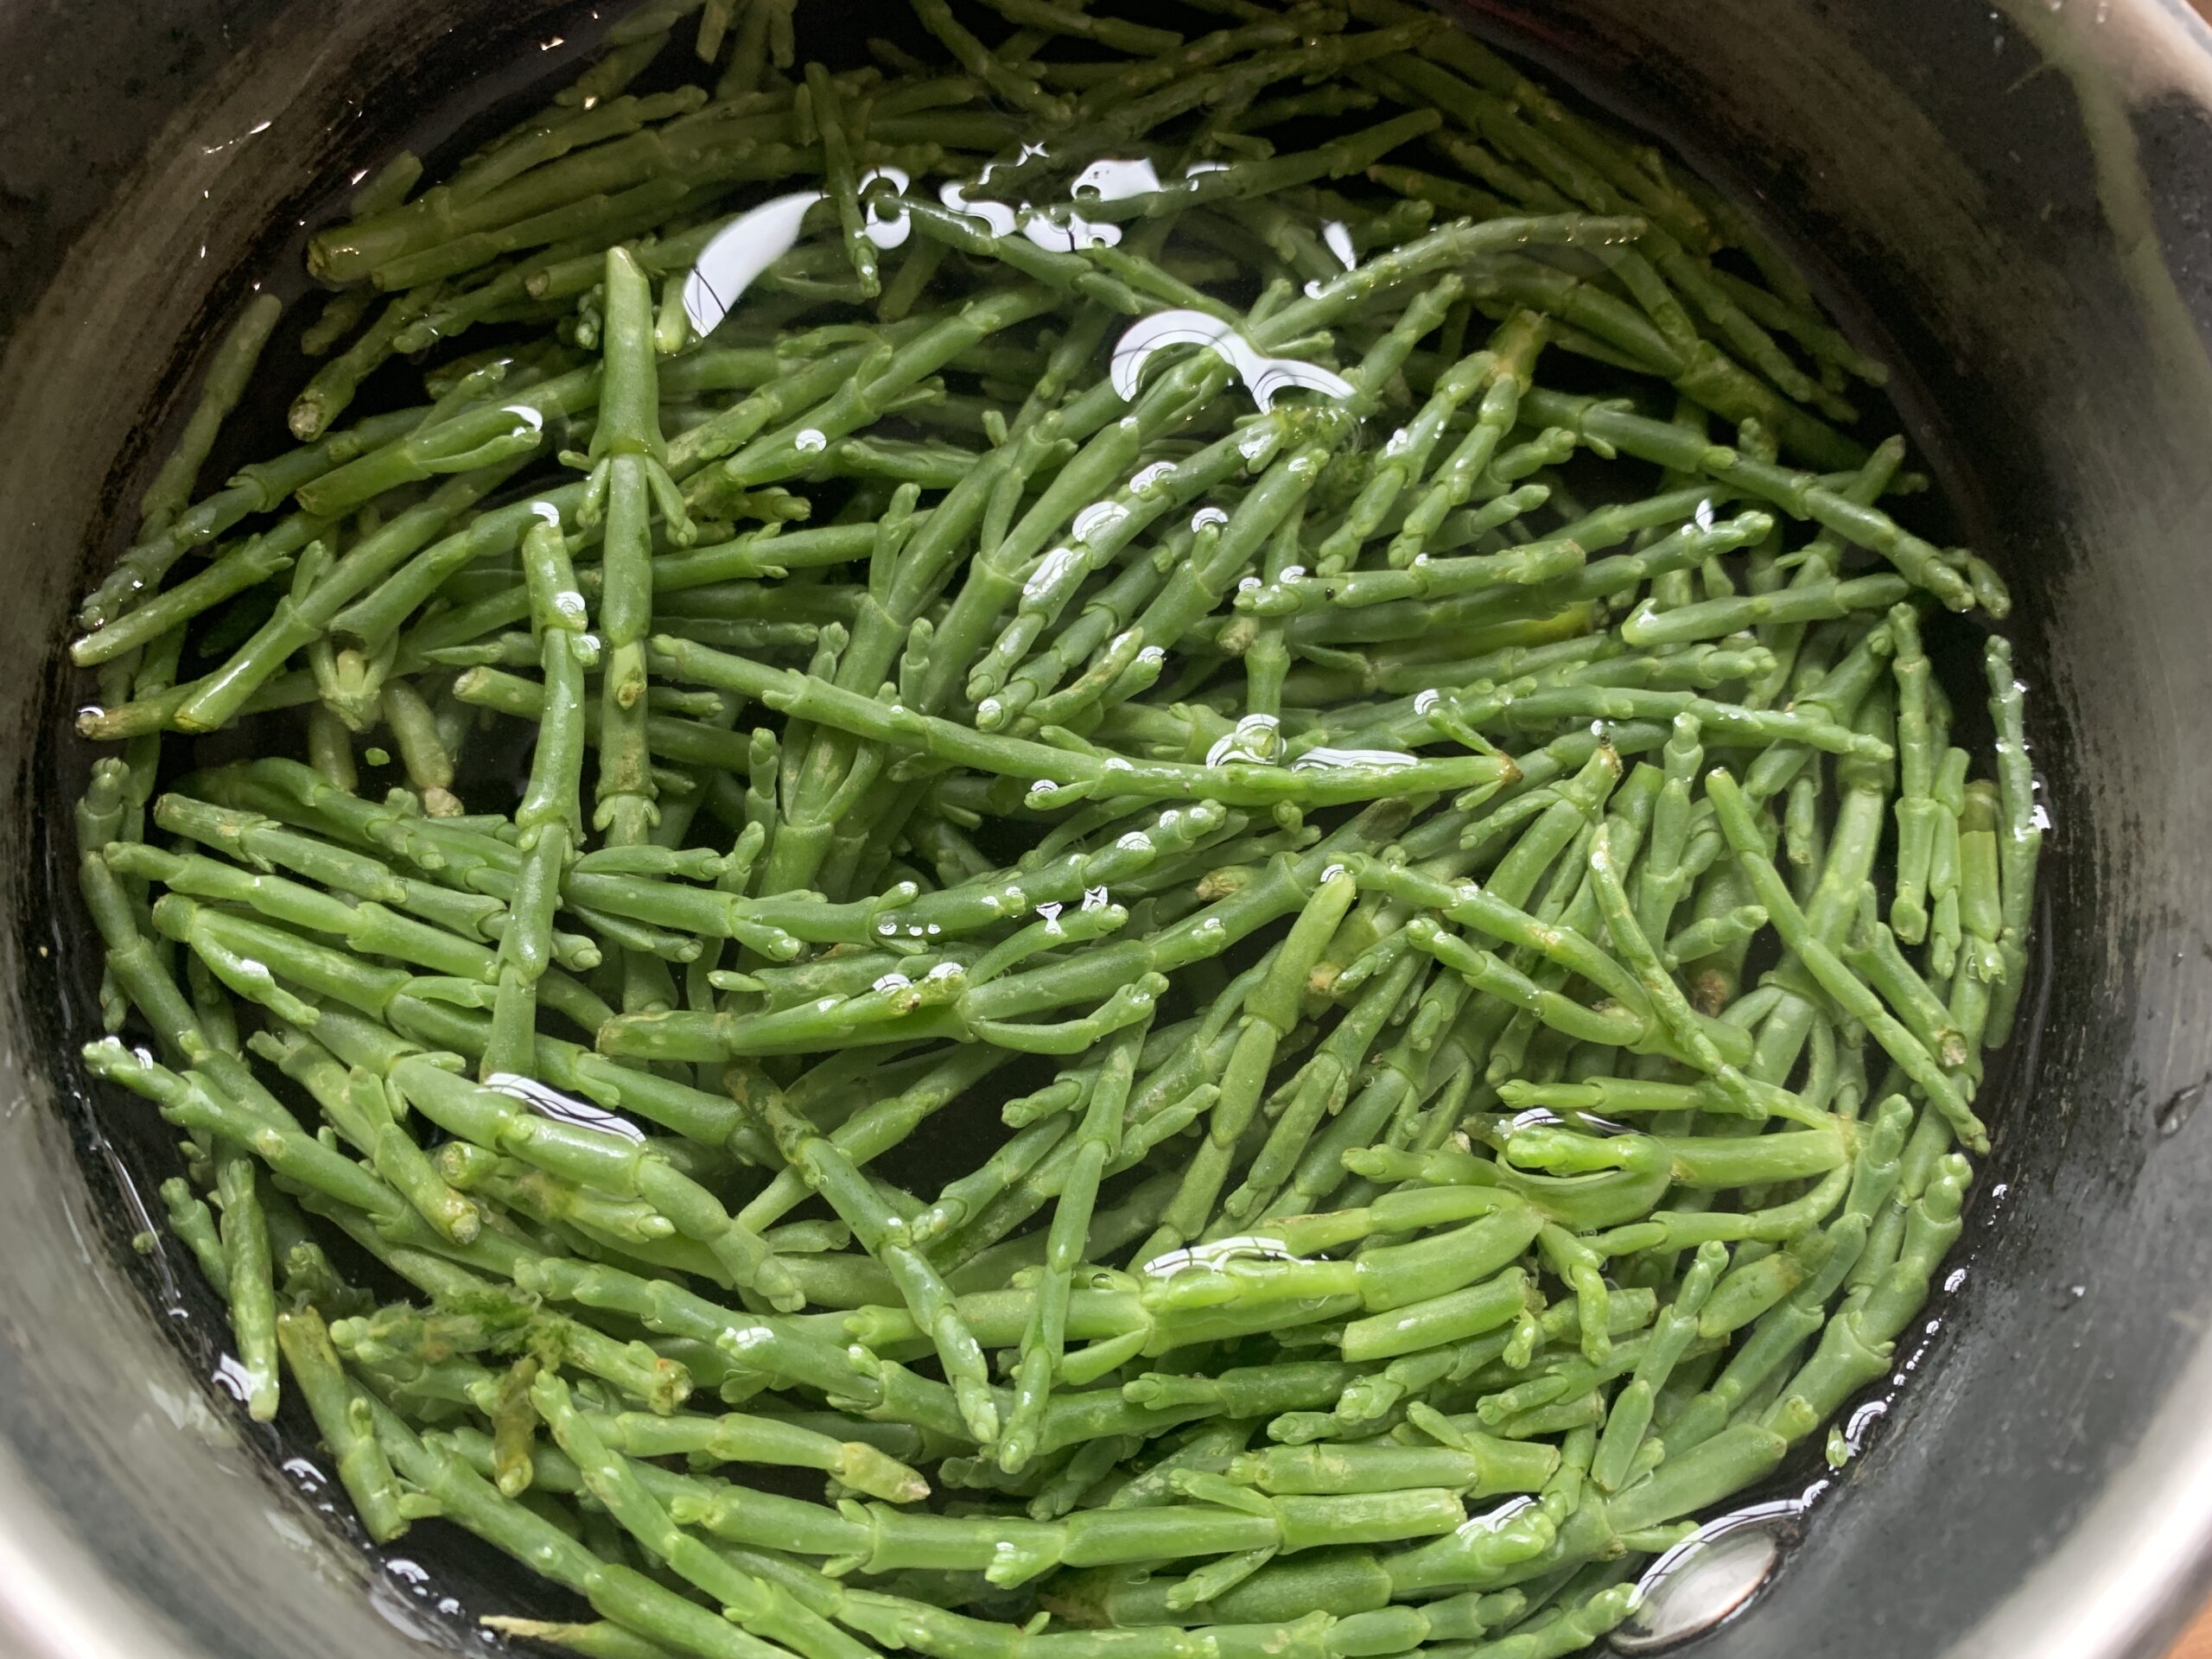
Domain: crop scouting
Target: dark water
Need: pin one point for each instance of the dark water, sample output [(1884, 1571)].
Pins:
[(439, 1580)]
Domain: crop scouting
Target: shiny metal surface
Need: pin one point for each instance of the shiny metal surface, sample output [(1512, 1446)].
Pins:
[(2024, 196)]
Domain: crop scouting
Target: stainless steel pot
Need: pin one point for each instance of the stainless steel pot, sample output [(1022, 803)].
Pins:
[(2022, 195)]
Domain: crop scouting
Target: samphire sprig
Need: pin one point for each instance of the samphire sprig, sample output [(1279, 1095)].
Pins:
[(1231, 832)]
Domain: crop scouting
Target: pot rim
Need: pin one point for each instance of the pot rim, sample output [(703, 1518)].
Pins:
[(56, 1601), (2124, 1579)]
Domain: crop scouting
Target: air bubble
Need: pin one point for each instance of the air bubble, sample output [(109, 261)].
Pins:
[(1708, 1577)]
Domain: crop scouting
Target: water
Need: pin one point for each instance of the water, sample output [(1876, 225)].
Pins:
[(550, 1103), (1710, 1577), (1700, 1584), (1264, 376)]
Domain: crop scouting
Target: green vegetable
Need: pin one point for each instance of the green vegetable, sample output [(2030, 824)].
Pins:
[(1229, 876), (228, 374)]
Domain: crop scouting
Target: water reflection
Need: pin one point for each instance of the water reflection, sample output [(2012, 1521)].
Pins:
[(1219, 1253), (752, 241), (1265, 377), (562, 1109), (1709, 1577), (735, 259)]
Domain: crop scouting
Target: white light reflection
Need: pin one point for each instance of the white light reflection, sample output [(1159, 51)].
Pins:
[(998, 218), (752, 241), (1328, 759), (1051, 570), (1105, 179), (1099, 518), (1256, 739), (255, 131), (1217, 1254), (887, 234), (1109, 180), (1265, 377), (734, 260), (1070, 236), (1708, 1577), (563, 1108)]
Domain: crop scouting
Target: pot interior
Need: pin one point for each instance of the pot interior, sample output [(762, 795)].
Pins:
[(2014, 208)]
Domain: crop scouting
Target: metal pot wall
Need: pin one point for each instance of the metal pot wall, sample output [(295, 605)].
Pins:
[(2022, 196)]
